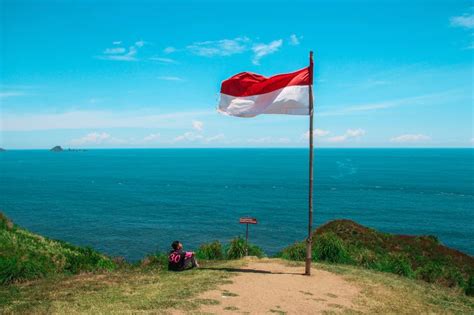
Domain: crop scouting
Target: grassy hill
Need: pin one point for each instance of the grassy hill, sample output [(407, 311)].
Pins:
[(420, 257), (64, 278), (25, 256)]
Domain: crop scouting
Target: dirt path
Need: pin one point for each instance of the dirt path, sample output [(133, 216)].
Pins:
[(269, 287)]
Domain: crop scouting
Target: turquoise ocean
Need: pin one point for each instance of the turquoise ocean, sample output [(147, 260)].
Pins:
[(133, 202)]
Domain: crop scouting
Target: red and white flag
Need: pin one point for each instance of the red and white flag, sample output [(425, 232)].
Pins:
[(248, 94)]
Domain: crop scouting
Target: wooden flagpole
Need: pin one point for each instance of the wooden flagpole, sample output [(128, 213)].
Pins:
[(309, 240)]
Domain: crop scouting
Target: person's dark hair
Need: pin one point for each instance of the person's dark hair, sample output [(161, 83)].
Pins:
[(175, 245)]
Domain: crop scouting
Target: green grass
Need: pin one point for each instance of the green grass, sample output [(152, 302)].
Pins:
[(128, 289), (236, 249), (418, 257), (25, 256)]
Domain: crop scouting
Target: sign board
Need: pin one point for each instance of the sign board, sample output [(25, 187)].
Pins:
[(248, 221)]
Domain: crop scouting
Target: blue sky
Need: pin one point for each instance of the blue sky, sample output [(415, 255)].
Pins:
[(103, 74)]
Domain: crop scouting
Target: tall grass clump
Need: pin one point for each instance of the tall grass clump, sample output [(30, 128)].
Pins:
[(210, 251), (236, 249), (25, 256), (329, 247)]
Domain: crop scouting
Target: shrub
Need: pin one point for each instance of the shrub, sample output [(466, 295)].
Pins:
[(329, 247), (236, 249), (155, 260), (430, 272), (210, 251), (399, 265), (15, 268), (470, 286), (296, 251)]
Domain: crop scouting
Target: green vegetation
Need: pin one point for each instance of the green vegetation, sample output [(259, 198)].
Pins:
[(24, 255), (420, 257), (67, 279), (234, 250)]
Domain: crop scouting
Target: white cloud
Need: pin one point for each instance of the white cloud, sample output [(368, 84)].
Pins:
[(113, 51), (465, 21), (295, 40), (349, 134), (152, 137), (261, 50), (10, 94), (169, 50), (98, 120), (410, 138), (122, 54), (118, 42), (318, 133), (164, 60), (218, 137), (170, 78), (415, 100), (188, 136), (140, 43), (223, 47), (96, 138), (269, 140), (198, 125)]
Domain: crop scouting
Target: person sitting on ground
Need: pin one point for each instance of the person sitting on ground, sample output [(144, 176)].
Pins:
[(179, 260)]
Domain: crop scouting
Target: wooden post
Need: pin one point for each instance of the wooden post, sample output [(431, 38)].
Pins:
[(309, 240), (247, 241)]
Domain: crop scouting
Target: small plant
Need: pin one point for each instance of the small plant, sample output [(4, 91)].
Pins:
[(236, 249), (210, 251), (470, 286), (296, 251), (155, 260), (430, 272), (329, 247)]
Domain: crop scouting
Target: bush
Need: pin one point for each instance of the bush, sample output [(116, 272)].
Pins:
[(155, 260), (296, 251), (470, 286), (430, 272), (399, 265), (329, 247), (15, 268), (236, 249), (210, 251)]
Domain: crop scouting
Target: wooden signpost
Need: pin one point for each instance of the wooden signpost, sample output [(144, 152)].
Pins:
[(247, 221)]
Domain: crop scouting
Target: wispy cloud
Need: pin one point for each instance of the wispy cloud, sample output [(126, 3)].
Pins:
[(465, 21), (113, 51), (318, 133), (349, 134), (117, 42), (98, 120), (260, 50), (164, 60), (415, 100), (170, 78), (5, 94), (295, 40), (223, 47), (198, 125), (152, 137), (269, 140), (96, 138), (410, 138), (121, 53), (169, 50)]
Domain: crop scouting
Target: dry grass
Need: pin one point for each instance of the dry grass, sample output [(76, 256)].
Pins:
[(132, 290), (385, 293), (152, 290)]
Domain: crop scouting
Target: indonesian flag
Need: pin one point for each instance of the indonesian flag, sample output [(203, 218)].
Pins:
[(248, 94)]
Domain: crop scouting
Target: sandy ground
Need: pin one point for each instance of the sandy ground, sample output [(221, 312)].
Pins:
[(269, 287)]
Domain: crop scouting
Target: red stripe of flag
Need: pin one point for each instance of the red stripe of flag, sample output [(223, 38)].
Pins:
[(248, 84)]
